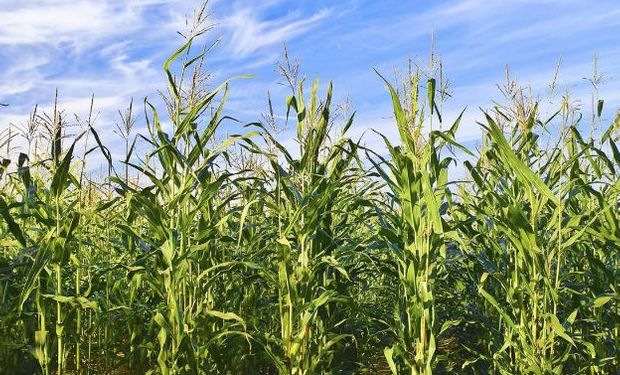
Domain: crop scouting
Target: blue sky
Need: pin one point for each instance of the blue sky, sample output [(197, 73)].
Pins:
[(114, 50)]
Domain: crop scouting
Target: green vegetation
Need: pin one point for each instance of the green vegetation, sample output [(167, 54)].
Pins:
[(238, 256)]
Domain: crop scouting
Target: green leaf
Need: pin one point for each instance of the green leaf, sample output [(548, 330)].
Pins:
[(226, 316), (13, 227), (388, 353), (601, 301), (511, 160), (61, 180), (559, 328)]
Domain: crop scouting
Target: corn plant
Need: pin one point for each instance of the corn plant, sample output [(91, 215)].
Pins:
[(312, 198), (413, 230), (183, 210)]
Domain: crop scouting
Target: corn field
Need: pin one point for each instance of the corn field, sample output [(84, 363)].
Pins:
[(212, 254)]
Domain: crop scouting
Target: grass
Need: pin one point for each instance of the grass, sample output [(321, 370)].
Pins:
[(239, 256)]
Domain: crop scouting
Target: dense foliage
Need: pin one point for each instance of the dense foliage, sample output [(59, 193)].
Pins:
[(238, 256)]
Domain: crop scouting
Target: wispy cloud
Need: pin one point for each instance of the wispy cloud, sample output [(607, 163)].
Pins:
[(249, 33), (27, 71), (76, 23)]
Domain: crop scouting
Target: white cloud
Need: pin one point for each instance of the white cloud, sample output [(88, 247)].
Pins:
[(26, 68), (56, 22), (250, 33)]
